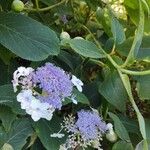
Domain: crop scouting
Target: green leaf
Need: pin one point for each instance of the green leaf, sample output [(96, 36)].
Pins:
[(130, 124), (143, 53), (44, 129), (26, 37), (117, 30), (8, 97), (137, 39), (143, 86), (114, 92), (119, 128), (122, 145), (86, 48), (7, 117), (18, 134)]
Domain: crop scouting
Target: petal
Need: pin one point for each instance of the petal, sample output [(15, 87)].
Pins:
[(79, 88), (35, 116)]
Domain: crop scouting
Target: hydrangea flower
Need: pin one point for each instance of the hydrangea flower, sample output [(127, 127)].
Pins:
[(55, 84), (77, 82), (86, 130), (22, 77), (34, 107), (42, 90)]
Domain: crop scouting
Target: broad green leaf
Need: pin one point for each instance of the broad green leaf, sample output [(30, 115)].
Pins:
[(143, 53), (130, 124), (135, 19), (138, 37), (119, 128), (122, 145), (18, 134), (92, 93), (143, 86), (8, 97), (26, 37), (134, 5), (7, 117), (44, 129), (67, 58), (114, 92), (86, 48), (117, 30)]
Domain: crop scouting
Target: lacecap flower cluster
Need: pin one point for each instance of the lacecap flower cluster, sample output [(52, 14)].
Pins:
[(43, 90), (85, 129)]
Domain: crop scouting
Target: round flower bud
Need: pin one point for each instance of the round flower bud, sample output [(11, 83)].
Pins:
[(64, 36), (111, 136), (17, 5), (78, 37)]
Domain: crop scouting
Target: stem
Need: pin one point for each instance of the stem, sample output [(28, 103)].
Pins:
[(97, 43), (37, 4), (141, 121), (136, 73), (1, 9), (99, 63), (113, 62), (46, 8)]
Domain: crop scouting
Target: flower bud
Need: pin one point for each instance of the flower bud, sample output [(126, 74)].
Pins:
[(112, 137), (17, 5), (78, 37), (64, 36)]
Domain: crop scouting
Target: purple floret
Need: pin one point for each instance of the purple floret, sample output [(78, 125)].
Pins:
[(90, 124), (54, 83)]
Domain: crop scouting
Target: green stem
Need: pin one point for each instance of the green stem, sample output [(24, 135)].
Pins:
[(97, 43), (98, 62), (113, 62), (127, 85), (37, 4), (136, 73), (46, 8), (1, 9)]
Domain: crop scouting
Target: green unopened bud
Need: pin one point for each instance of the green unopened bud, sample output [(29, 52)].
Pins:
[(7, 146), (64, 36), (78, 37), (111, 136), (17, 5)]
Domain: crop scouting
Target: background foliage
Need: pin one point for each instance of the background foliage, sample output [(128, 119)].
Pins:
[(113, 60)]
